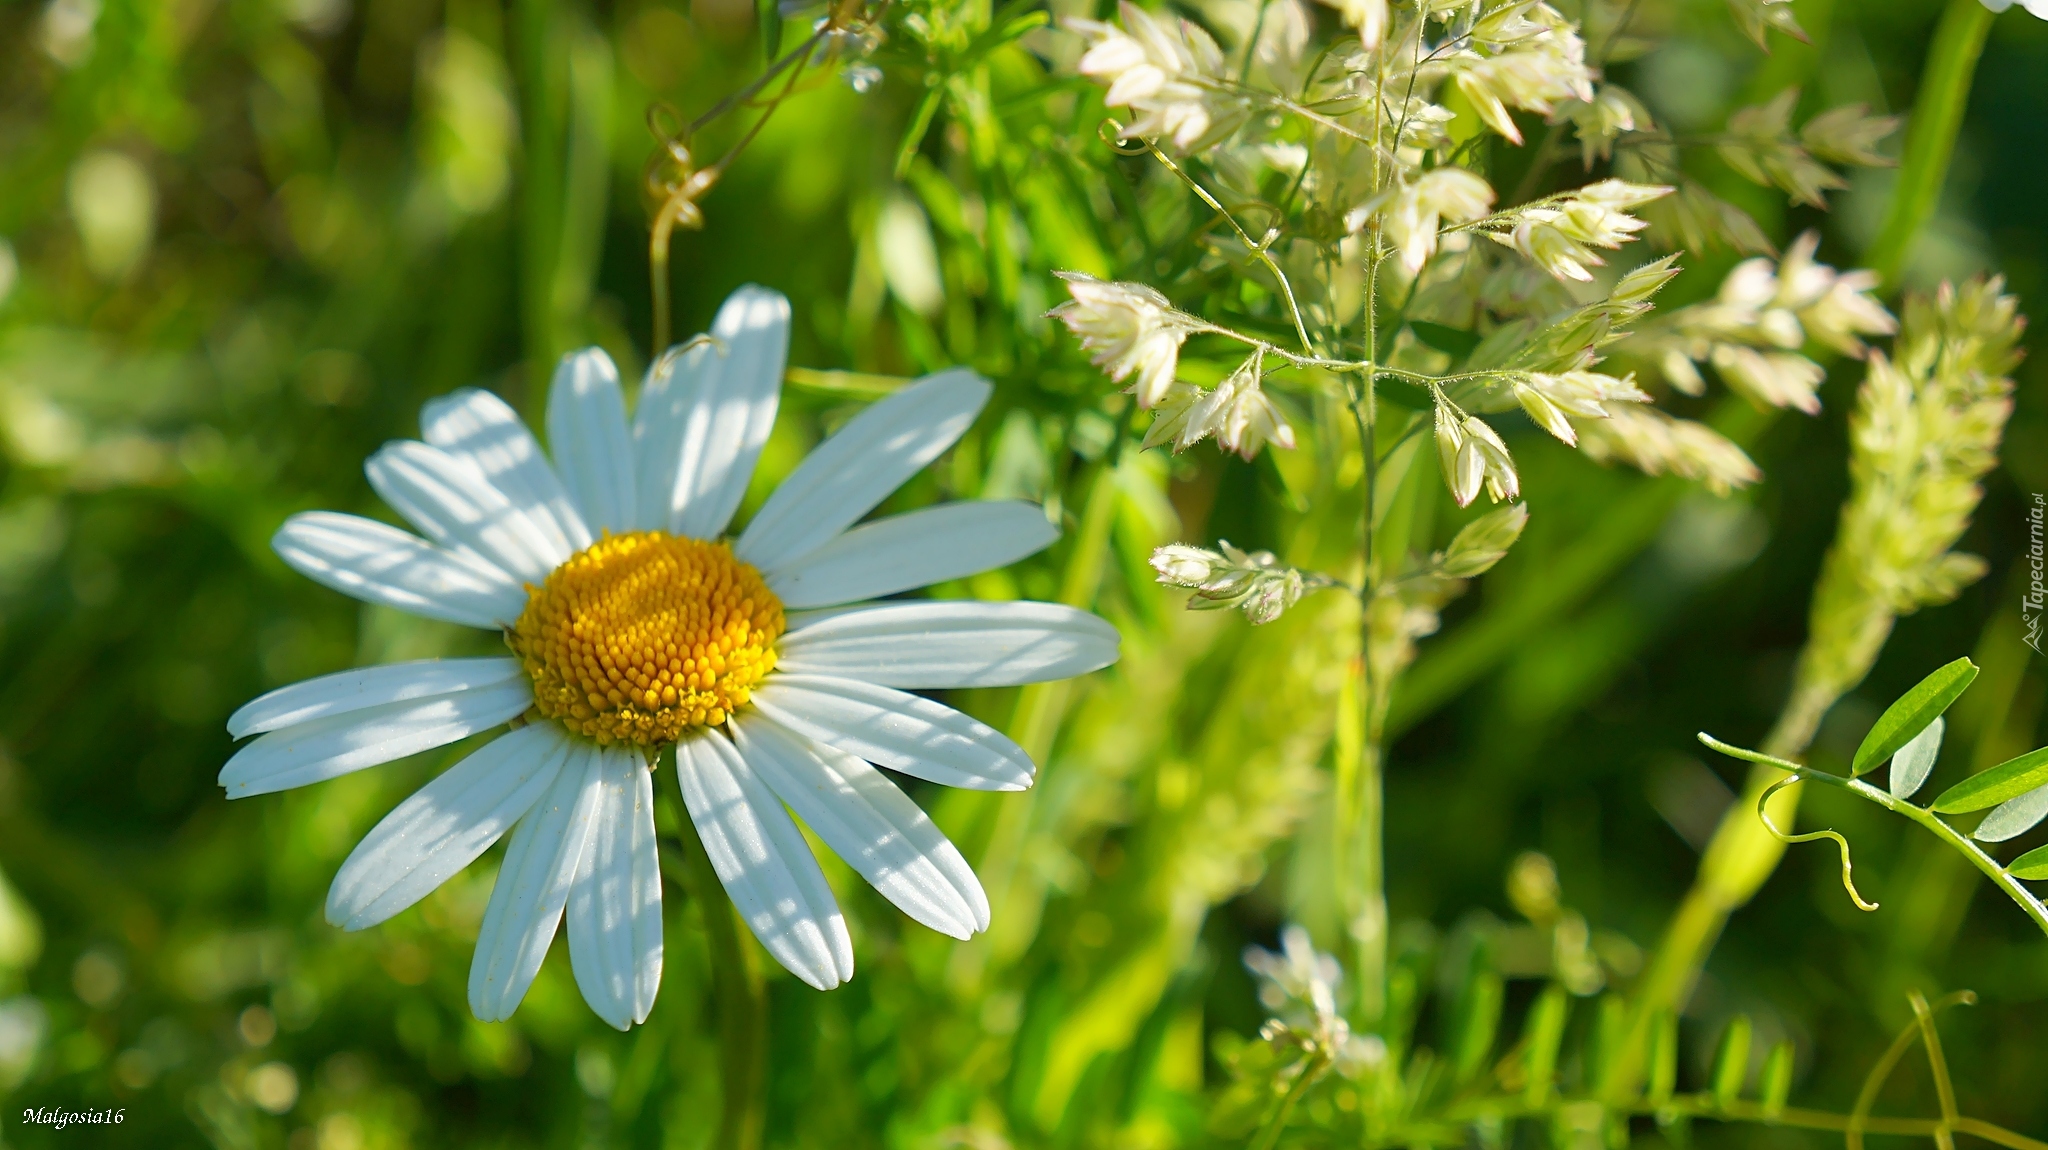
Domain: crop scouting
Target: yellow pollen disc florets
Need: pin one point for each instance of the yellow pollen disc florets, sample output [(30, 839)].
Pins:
[(639, 638)]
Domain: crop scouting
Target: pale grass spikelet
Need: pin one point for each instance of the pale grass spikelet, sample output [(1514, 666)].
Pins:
[(1165, 70), (1237, 412), (1777, 378), (1760, 144), (1498, 468), (1170, 416), (1179, 565), (1411, 215), (1131, 329), (1848, 135), (1559, 234), (1450, 446), (1549, 397), (1754, 328), (1926, 427), (1656, 444), (1612, 112), (1525, 56), (1473, 456), (1240, 415), (1256, 582)]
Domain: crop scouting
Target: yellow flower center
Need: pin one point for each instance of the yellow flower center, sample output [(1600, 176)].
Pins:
[(638, 638)]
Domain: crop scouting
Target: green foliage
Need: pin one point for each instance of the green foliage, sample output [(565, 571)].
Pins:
[(2007, 780), (1912, 713), (240, 243)]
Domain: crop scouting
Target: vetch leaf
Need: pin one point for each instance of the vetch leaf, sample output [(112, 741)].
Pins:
[(1915, 761), (2007, 780), (2013, 818), (2032, 865), (1911, 714)]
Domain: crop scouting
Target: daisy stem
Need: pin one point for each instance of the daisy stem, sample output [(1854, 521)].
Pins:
[(742, 1002)]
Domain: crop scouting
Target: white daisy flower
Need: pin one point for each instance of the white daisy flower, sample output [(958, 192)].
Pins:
[(635, 623)]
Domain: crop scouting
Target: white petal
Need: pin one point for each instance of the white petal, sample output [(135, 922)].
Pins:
[(763, 862), (702, 421), (452, 504), (334, 746), (870, 457), (482, 429), (952, 644), (906, 733), (445, 825), (870, 823), (615, 903), (361, 687), (587, 430), (378, 563), (904, 552), (526, 903)]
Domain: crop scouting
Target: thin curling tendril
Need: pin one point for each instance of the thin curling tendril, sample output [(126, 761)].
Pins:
[(1763, 812)]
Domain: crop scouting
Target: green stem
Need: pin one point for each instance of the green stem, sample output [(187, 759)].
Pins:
[(1269, 1134), (1257, 249), (1034, 725), (1931, 138), (736, 984)]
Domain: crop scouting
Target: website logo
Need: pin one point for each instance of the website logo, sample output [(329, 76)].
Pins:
[(2036, 596)]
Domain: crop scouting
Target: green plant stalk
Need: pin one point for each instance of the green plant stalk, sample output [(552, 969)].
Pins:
[(1931, 137), (742, 1001), (1033, 725), (1739, 858), (1311, 1072), (1743, 852), (1362, 878)]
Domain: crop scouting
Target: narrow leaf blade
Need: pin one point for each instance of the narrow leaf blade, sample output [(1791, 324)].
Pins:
[(1911, 714), (769, 14), (2007, 780), (2032, 865), (1777, 1079), (1731, 1061)]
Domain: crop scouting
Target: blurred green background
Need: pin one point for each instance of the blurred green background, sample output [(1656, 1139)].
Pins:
[(242, 240)]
